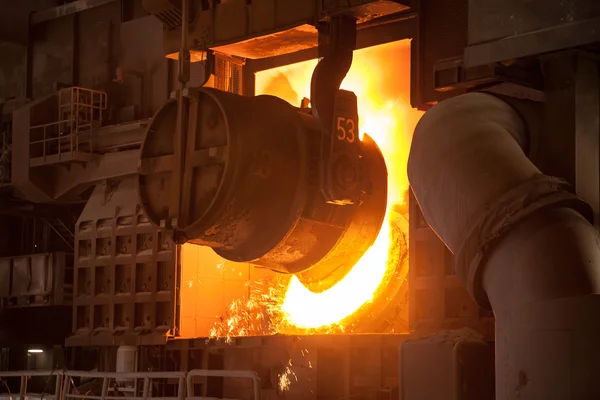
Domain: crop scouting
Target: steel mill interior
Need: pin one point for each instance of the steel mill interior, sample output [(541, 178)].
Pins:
[(299, 199)]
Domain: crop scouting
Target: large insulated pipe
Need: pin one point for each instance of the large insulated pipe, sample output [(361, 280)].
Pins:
[(522, 243)]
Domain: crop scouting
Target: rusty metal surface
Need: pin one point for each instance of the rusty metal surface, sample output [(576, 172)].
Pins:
[(284, 42), (373, 33), (212, 159), (260, 25), (251, 192), (125, 275)]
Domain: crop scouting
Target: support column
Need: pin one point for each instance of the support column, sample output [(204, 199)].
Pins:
[(570, 148)]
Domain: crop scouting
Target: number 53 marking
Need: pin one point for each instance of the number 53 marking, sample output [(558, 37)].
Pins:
[(345, 129)]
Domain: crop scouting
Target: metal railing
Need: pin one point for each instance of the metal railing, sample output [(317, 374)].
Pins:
[(139, 388), (54, 141), (81, 107), (79, 112), (25, 375), (145, 378)]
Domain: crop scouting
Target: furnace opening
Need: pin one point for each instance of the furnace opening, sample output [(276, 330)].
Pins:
[(222, 298)]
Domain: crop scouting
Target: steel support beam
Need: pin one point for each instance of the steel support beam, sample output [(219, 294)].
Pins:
[(570, 148), (64, 10), (542, 41)]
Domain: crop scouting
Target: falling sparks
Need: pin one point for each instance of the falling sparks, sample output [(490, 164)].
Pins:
[(257, 315), (284, 381), (285, 378)]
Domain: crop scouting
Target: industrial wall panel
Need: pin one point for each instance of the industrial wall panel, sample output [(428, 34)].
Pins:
[(144, 65), (14, 19), (97, 45), (442, 35), (451, 365), (437, 298), (125, 272), (501, 31), (12, 70), (497, 19), (52, 55)]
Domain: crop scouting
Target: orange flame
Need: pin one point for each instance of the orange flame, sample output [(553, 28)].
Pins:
[(380, 78)]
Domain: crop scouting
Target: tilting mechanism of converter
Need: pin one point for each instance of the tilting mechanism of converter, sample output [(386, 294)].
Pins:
[(294, 190)]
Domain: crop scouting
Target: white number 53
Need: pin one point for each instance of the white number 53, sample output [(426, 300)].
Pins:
[(345, 129)]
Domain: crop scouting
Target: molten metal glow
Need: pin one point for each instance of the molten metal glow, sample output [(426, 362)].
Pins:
[(306, 309), (380, 78)]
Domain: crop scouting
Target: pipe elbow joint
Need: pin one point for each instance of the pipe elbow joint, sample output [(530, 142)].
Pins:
[(474, 182)]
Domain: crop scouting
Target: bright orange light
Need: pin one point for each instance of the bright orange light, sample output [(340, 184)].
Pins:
[(305, 309), (380, 78)]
